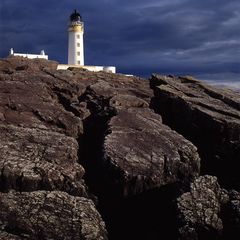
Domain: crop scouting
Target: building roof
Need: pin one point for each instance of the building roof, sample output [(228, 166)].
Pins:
[(76, 17)]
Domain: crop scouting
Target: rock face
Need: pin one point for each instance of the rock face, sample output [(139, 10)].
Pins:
[(79, 148), (32, 159), (146, 153), (207, 116), (39, 153), (199, 209), (208, 212)]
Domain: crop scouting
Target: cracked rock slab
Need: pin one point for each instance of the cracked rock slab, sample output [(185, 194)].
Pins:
[(30, 104), (142, 153), (32, 159), (207, 116), (49, 215)]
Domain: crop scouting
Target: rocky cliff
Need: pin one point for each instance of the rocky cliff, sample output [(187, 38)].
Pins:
[(88, 155)]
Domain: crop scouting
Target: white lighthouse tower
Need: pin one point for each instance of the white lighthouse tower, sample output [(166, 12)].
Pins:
[(75, 40), (76, 48)]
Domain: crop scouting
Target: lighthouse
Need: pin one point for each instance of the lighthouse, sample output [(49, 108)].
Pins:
[(75, 40), (76, 48)]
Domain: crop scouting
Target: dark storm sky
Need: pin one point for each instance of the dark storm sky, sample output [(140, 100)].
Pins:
[(199, 37)]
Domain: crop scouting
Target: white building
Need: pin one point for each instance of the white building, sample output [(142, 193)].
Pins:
[(110, 69), (27, 55)]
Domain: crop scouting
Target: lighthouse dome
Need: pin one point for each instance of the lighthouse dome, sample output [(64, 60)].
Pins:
[(76, 17)]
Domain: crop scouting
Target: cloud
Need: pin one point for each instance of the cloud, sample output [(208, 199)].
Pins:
[(140, 37)]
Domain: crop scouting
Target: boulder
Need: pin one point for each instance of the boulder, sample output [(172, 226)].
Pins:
[(49, 215), (199, 210), (33, 159), (141, 153)]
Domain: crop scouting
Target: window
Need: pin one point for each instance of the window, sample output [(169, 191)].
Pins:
[(78, 44), (78, 62), (78, 36), (78, 53)]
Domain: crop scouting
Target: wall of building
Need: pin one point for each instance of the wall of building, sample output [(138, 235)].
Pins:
[(90, 68), (31, 56)]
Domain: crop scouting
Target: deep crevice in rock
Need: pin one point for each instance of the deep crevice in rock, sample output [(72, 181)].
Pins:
[(66, 103), (149, 215), (181, 125), (16, 231)]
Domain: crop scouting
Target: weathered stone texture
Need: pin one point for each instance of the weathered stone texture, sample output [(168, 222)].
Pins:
[(146, 153), (33, 159), (50, 215), (199, 210)]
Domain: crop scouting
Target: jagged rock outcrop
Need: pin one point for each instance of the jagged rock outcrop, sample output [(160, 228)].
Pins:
[(78, 147), (208, 211), (207, 116), (199, 210)]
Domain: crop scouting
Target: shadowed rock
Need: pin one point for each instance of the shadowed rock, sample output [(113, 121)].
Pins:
[(7, 236), (207, 116), (199, 210), (232, 216)]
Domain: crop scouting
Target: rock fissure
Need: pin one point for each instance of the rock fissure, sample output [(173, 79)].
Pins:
[(214, 131), (111, 176)]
